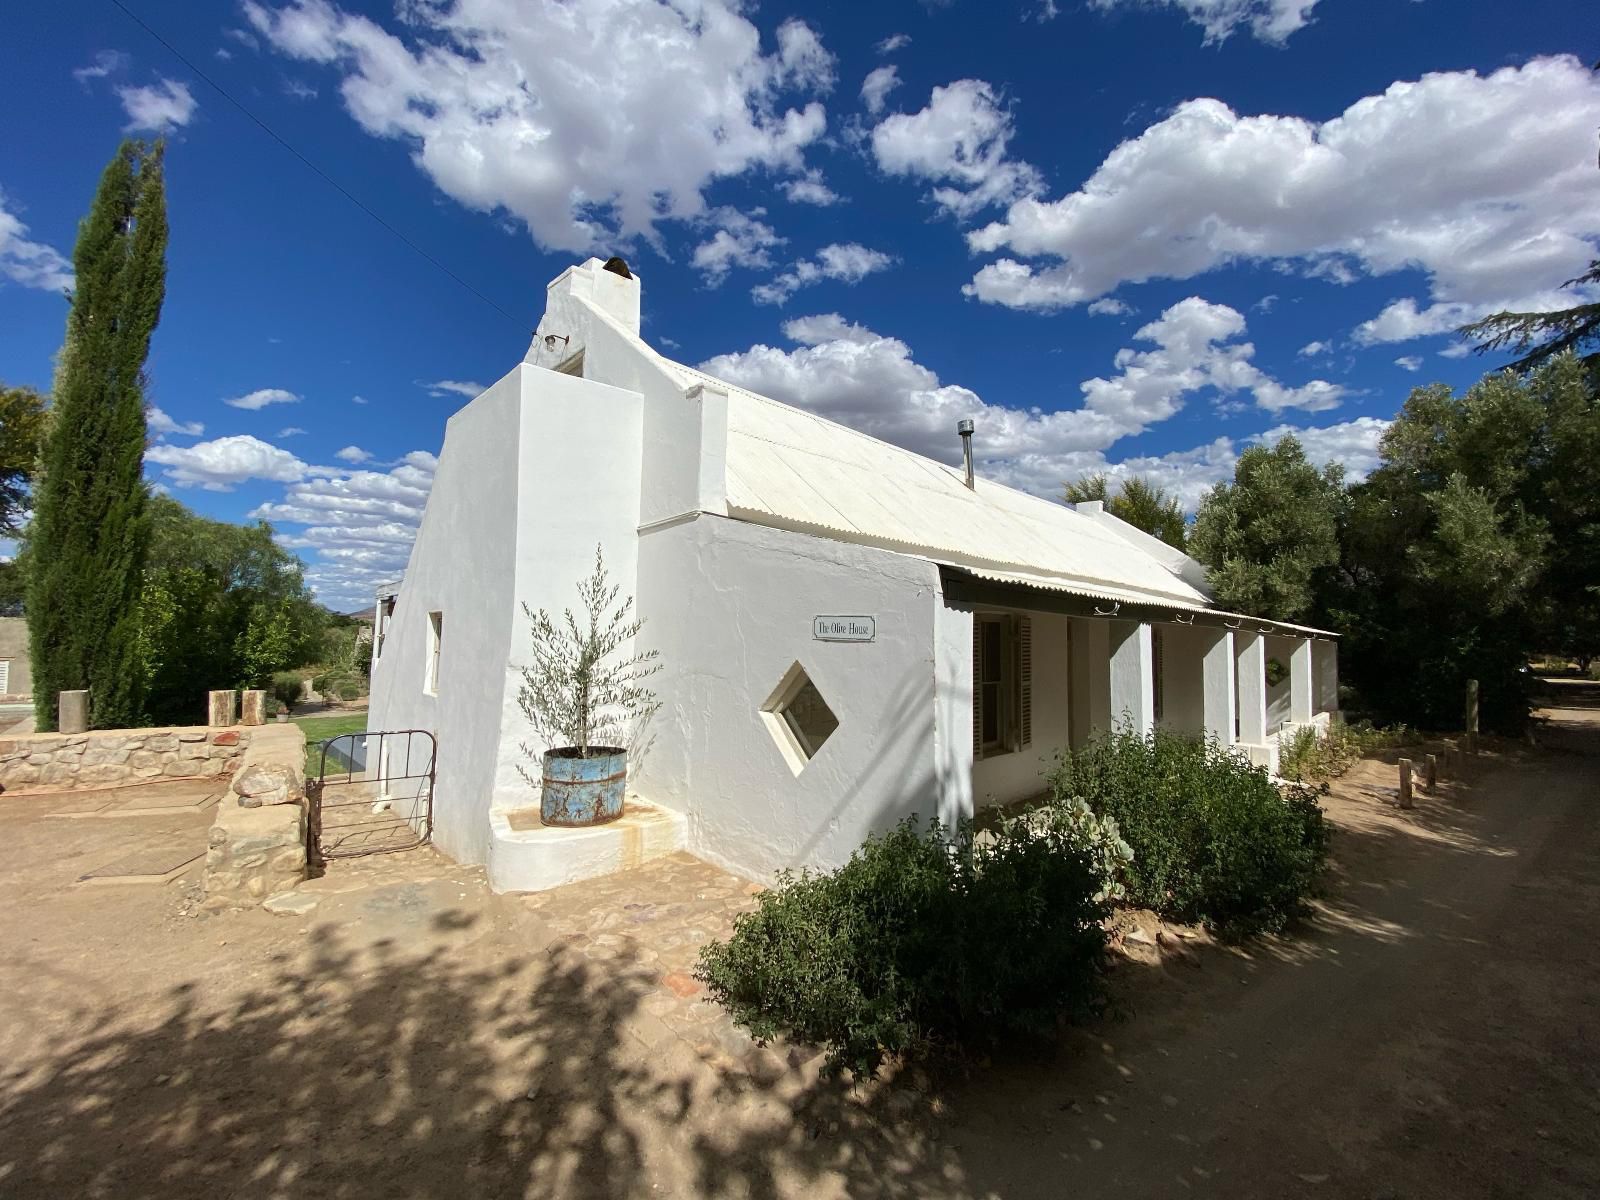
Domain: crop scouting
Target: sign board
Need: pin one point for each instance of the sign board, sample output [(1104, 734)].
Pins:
[(844, 629)]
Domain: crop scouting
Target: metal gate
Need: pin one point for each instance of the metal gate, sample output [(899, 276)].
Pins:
[(372, 793)]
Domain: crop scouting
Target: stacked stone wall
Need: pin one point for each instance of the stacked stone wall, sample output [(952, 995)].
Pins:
[(111, 757)]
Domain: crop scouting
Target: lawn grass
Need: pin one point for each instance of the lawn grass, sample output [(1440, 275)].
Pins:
[(320, 729)]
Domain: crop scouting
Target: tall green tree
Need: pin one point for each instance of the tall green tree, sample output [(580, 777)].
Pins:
[(1539, 337), (1269, 537), (88, 541), (1476, 542), (22, 426), (1138, 502), (223, 606)]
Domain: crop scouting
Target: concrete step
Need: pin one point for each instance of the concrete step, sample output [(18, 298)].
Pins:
[(526, 855)]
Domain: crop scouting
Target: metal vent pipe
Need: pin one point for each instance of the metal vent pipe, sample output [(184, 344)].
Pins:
[(964, 427)]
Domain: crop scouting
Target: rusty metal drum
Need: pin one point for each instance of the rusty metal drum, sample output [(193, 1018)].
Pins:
[(580, 791)]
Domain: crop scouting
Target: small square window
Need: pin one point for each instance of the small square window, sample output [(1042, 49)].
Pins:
[(799, 718)]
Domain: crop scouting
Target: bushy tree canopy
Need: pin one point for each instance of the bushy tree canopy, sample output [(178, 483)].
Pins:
[(223, 606), (1268, 537), (1138, 502), (1476, 542), (22, 426)]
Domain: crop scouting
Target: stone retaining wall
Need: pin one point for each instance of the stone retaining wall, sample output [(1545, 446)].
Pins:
[(107, 757), (257, 845)]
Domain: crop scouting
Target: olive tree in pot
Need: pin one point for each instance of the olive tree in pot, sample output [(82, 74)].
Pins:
[(584, 695)]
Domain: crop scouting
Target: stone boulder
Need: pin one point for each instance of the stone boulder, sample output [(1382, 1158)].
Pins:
[(262, 783)]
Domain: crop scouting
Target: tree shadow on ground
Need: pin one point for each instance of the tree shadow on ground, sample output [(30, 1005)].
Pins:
[(368, 1070)]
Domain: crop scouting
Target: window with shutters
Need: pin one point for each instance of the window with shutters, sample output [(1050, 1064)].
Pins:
[(1156, 669), (1002, 683)]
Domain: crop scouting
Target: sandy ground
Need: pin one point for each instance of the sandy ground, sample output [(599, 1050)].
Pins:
[(1434, 1032)]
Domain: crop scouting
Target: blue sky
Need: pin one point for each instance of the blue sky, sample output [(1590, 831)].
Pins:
[(1126, 233)]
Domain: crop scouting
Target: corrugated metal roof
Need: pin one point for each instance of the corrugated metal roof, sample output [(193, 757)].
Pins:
[(793, 468), (1131, 596)]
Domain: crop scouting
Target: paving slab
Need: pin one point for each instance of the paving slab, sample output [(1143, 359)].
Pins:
[(152, 865)]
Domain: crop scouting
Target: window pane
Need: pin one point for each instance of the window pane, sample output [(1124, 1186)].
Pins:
[(810, 718), (991, 652), (991, 713)]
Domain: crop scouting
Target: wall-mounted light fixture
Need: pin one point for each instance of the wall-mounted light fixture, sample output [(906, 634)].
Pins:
[(550, 340)]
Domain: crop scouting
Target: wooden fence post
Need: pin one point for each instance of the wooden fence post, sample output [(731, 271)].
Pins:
[(1405, 783), (1430, 774), (1472, 716)]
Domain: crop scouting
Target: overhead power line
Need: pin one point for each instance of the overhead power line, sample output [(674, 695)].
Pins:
[(328, 179)]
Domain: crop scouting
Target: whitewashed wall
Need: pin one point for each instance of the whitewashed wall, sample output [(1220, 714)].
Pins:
[(463, 564), (533, 474), (730, 605)]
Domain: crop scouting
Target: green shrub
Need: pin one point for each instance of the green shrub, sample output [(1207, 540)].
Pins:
[(287, 687), (1308, 757), (1213, 838), (349, 689), (921, 940)]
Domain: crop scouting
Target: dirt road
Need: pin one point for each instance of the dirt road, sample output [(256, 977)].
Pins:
[(1435, 1032)]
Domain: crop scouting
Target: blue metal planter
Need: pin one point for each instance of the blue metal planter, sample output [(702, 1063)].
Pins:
[(583, 791)]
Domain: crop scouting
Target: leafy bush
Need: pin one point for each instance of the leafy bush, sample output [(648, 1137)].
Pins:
[(1213, 839), (920, 940), (1309, 757), (286, 687), (349, 688)]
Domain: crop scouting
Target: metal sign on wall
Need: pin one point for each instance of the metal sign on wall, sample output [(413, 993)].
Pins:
[(844, 629)]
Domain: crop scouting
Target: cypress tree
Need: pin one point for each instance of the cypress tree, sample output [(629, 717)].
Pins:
[(91, 531)]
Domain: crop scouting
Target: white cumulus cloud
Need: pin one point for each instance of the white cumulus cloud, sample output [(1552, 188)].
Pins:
[(850, 262), (261, 398), (159, 108), (1270, 21), (357, 525), (449, 387), (589, 121), (959, 143), (1484, 183), (878, 84), (870, 381), (740, 241), (352, 454), (162, 425), (223, 463), (29, 263)]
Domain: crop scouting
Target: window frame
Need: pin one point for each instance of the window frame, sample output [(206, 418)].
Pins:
[(430, 679), (793, 742), (1013, 687)]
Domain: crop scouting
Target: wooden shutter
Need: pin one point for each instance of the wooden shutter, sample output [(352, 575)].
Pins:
[(977, 687), (5, 675), (1025, 679), (1157, 671)]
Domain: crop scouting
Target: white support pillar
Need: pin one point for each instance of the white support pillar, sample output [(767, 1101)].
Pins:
[(1217, 684), (1325, 670), (1300, 707), (1133, 696), (1250, 653)]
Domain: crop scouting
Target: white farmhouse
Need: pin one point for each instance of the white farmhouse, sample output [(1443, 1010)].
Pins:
[(850, 632)]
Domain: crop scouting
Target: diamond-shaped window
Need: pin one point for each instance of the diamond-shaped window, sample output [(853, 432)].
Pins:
[(799, 718)]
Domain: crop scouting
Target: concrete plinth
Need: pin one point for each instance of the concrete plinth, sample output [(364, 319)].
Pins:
[(526, 855), (72, 712)]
